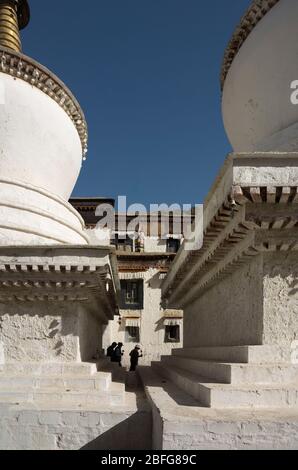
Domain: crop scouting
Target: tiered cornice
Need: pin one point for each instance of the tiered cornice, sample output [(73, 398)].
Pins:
[(254, 217), (62, 275)]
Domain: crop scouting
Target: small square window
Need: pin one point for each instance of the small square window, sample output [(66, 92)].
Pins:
[(173, 245), (123, 243), (172, 334), (132, 334)]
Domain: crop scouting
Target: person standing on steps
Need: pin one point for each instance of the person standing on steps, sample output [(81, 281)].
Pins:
[(117, 354), (135, 354)]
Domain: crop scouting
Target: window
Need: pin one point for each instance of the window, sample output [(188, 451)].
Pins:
[(132, 334), (173, 245), (132, 295), (172, 334), (123, 244)]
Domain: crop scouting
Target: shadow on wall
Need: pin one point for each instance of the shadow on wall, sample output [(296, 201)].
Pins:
[(159, 325), (154, 282), (46, 332), (294, 287), (134, 433)]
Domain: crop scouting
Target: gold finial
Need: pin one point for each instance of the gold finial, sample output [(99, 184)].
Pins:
[(14, 16)]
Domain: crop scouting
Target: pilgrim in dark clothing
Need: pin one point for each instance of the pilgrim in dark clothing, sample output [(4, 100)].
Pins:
[(117, 354), (135, 354), (111, 349)]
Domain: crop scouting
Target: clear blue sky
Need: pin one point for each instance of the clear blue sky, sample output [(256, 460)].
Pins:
[(146, 73)]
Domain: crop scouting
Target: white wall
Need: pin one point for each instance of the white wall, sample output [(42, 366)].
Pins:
[(39, 332), (280, 298), (90, 334), (230, 313), (49, 332), (155, 245), (257, 304)]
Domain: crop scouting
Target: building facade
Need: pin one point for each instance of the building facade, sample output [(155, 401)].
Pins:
[(143, 262)]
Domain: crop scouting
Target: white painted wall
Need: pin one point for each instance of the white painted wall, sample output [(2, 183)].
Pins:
[(155, 245), (90, 334), (48, 332), (43, 332), (257, 304), (257, 111), (2, 355), (230, 313), (280, 298)]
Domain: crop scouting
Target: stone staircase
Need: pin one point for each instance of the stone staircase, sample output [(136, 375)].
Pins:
[(234, 377), (118, 374), (75, 385)]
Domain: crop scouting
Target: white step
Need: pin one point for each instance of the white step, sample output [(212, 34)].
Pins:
[(98, 381), (241, 354), (252, 396), (191, 426), (236, 373), (55, 368), (218, 395), (114, 396)]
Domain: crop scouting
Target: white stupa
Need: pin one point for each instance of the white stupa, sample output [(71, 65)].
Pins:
[(43, 135), (57, 292), (257, 75)]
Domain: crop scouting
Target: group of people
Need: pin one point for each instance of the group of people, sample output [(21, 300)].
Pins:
[(115, 352)]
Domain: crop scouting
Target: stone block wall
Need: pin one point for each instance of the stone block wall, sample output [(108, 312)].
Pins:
[(48, 332), (39, 332), (90, 334), (32, 429), (257, 304), (230, 312), (280, 298)]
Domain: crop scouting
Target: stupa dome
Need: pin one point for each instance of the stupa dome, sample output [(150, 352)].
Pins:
[(259, 68), (43, 141)]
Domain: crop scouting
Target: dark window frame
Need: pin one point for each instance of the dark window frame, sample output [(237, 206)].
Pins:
[(169, 338), (123, 243), (173, 245), (128, 291)]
